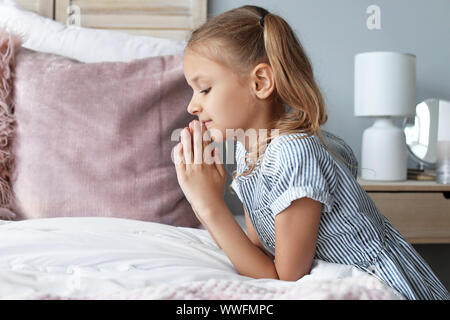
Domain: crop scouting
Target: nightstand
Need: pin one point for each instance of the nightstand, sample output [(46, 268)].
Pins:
[(420, 210)]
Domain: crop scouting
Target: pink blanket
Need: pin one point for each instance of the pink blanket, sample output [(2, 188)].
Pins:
[(363, 287)]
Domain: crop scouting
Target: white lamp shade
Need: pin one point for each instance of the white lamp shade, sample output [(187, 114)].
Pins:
[(385, 84)]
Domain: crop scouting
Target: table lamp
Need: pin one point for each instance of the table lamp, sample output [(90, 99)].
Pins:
[(385, 88)]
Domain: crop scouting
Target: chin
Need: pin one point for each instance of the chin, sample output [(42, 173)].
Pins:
[(217, 135)]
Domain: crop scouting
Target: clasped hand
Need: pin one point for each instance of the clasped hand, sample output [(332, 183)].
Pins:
[(200, 171)]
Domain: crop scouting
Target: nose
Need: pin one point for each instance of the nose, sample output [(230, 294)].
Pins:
[(194, 107)]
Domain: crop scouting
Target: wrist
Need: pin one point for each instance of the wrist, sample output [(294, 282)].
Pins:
[(208, 212)]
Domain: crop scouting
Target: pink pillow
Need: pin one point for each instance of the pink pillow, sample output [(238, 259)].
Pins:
[(94, 139)]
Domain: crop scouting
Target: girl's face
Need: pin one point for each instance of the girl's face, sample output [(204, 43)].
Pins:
[(220, 96)]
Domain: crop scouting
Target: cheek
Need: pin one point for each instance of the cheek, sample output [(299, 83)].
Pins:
[(222, 108), (241, 109), (230, 109)]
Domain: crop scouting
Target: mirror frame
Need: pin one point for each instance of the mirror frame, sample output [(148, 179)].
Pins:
[(422, 163), (416, 159)]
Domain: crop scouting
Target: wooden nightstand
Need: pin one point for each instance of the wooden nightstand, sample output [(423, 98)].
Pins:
[(420, 210)]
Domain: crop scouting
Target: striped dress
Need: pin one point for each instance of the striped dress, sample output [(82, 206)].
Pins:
[(352, 231)]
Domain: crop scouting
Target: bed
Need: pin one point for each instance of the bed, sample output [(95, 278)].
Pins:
[(109, 258), (70, 250)]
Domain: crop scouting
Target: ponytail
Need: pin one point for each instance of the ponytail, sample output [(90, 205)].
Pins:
[(294, 78)]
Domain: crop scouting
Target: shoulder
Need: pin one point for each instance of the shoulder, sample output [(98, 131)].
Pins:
[(299, 159), (294, 150), (339, 147)]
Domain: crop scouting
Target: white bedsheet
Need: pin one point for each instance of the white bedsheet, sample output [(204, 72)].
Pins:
[(109, 257)]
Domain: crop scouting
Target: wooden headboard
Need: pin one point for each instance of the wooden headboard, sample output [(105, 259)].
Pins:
[(173, 19)]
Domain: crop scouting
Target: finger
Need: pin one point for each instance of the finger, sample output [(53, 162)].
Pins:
[(178, 156), (191, 128), (187, 146), (198, 143), (219, 163), (208, 155), (205, 132), (206, 135)]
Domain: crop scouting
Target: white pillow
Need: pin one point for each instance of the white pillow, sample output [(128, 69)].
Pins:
[(83, 44)]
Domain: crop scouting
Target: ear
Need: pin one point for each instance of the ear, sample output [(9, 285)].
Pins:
[(263, 83)]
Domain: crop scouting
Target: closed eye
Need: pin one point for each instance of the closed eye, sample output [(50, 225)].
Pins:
[(205, 91)]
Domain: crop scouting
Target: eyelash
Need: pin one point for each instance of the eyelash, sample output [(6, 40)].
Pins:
[(205, 91)]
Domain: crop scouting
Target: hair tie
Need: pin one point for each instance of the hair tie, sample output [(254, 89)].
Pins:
[(261, 21)]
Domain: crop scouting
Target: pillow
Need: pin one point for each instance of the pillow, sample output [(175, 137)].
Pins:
[(83, 44), (95, 139)]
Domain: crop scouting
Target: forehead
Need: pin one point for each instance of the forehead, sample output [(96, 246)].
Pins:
[(197, 66), (204, 63)]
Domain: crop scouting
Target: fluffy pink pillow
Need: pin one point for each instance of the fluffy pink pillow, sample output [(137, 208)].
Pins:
[(94, 139)]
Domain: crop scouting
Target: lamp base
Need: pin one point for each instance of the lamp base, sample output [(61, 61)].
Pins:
[(384, 153)]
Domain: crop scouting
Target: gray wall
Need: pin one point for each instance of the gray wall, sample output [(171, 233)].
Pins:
[(333, 31)]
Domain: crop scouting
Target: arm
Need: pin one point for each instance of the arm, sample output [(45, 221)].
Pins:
[(251, 233), (247, 258), (203, 223), (296, 230)]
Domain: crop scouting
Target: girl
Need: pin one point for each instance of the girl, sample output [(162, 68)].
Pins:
[(248, 71)]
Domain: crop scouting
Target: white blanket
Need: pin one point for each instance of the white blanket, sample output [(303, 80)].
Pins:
[(109, 258)]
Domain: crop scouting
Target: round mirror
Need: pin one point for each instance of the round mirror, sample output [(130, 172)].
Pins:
[(421, 132)]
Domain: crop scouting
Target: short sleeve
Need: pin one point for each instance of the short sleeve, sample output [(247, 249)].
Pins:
[(302, 168)]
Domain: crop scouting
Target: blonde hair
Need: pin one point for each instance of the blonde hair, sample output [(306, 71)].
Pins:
[(250, 35)]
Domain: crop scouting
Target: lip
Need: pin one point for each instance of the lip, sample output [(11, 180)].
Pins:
[(207, 123)]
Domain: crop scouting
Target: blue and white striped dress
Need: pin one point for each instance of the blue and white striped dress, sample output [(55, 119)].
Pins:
[(352, 231)]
